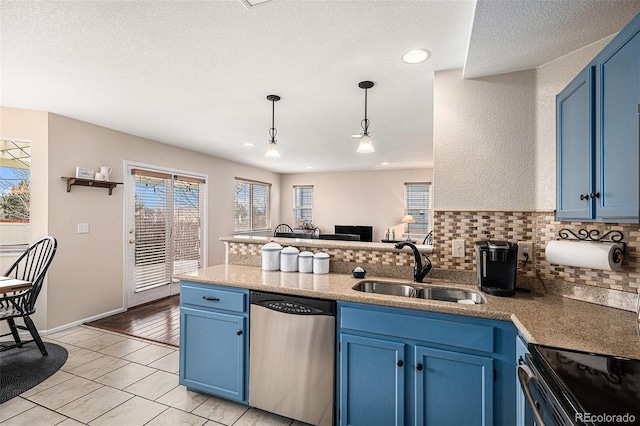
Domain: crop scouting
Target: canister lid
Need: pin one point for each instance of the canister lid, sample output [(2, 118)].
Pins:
[(321, 255), (272, 246), (306, 254), (290, 250)]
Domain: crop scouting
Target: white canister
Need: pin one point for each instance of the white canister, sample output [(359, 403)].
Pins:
[(321, 263), (271, 256), (289, 259), (305, 262)]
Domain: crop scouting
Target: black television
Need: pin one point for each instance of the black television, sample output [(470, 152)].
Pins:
[(365, 232)]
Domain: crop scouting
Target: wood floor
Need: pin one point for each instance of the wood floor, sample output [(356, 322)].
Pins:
[(158, 321)]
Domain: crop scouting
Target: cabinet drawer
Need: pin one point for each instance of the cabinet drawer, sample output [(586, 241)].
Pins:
[(420, 328), (213, 297)]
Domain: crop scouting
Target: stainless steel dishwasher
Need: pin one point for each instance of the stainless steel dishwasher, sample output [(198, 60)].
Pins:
[(292, 356)]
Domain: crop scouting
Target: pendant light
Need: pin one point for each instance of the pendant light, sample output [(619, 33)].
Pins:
[(272, 148), (365, 141)]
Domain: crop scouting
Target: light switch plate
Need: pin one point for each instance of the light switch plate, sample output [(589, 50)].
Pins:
[(83, 228), (457, 246)]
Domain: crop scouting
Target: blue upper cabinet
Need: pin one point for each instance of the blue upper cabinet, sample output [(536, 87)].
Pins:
[(575, 148), (618, 98), (597, 135)]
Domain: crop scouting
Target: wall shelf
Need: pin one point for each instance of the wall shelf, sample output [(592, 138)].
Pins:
[(90, 182)]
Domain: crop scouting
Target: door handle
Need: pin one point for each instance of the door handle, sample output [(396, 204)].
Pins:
[(584, 197), (239, 332), (595, 195), (211, 299), (400, 363), (419, 367), (132, 241)]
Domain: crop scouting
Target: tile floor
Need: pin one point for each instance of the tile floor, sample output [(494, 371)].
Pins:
[(113, 379)]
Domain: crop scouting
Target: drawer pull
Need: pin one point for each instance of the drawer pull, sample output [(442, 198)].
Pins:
[(211, 299)]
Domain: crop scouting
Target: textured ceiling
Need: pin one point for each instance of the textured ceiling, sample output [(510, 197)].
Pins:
[(515, 35), (196, 73)]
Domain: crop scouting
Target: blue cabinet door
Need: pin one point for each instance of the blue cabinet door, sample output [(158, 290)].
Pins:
[(212, 353), (575, 148), (453, 388), (371, 381), (618, 99)]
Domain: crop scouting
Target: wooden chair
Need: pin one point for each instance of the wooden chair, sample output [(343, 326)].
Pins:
[(283, 227), (31, 266)]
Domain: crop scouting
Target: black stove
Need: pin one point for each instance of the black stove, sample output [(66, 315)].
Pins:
[(586, 388)]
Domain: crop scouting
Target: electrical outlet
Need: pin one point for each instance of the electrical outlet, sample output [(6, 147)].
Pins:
[(83, 228), (457, 246), (525, 247)]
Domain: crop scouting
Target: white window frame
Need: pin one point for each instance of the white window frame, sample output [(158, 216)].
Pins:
[(297, 208), (252, 227), (428, 211)]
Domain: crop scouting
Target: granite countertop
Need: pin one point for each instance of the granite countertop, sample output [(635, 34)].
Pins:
[(541, 318)]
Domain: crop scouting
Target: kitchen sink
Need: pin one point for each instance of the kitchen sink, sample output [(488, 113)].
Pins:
[(450, 295), (384, 287), (444, 294)]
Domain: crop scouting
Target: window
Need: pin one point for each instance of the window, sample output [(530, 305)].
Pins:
[(417, 203), (15, 191), (302, 204), (252, 203)]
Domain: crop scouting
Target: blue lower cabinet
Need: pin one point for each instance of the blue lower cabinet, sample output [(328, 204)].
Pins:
[(372, 381), (399, 366), (453, 388), (213, 342)]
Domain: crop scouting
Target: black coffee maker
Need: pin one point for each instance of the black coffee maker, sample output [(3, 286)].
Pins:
[(496, 263)]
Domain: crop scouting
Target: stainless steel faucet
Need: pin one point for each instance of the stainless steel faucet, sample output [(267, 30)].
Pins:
[(419, 272)]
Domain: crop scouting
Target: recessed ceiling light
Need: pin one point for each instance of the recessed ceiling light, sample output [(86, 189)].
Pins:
[(249, 144), (416, 56), (384, 164), (309, 167)]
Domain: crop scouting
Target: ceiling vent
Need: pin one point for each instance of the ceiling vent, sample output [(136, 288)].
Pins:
[(257, 4)]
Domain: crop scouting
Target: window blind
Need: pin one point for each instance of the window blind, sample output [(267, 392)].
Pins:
[(152, 231), (303, 203), (252, 203), (188, 214), (417, 202), (169, 212)]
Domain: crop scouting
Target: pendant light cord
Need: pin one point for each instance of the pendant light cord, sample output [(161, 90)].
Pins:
[(272, 131), (365, 123)]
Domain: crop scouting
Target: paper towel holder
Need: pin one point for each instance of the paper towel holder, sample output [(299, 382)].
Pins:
[(594, 236)]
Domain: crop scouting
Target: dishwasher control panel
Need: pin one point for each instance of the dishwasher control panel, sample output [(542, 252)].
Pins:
[(290, 307)]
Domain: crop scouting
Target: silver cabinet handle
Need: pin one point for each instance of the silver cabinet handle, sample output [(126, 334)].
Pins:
[(525, 376)]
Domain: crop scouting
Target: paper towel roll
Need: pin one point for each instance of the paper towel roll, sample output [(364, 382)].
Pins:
[(584, 254)]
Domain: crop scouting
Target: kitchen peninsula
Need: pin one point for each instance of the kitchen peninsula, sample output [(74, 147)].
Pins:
[(467, 342)]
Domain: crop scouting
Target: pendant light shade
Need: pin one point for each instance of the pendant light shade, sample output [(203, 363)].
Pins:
[(366, 145), (272, 148)]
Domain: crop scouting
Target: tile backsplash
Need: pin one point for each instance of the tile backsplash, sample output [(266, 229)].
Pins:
[(540, 228)]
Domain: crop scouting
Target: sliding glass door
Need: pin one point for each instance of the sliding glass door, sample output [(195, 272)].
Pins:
[(165, 229)]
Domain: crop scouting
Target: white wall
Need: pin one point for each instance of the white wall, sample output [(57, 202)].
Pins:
[(551, 78), (372, 198), (484, 141)]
